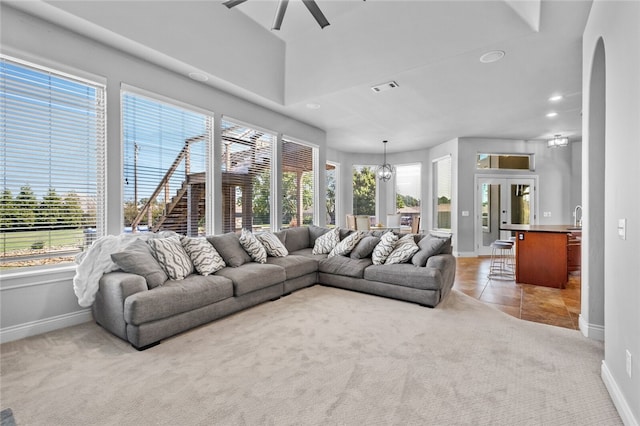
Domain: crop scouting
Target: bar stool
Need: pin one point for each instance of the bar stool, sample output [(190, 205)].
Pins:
[(502, 260)]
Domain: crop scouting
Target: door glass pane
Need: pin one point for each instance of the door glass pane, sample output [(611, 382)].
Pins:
[(490, 213), (520, 204)]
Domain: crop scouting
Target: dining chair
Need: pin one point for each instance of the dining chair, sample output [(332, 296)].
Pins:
[(351, 222), (415, 225), (363, 222)]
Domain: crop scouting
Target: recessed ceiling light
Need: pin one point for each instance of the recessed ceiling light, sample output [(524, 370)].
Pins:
[(198, 76), (556, 98), (493, 56), (552, 114), (312, 105)]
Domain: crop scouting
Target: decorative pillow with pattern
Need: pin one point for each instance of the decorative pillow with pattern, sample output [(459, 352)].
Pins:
[(272, 244), (252, 246), (384, 248), (326, 242), (203, 255), (403, 250), (345, 246), (172, 257)]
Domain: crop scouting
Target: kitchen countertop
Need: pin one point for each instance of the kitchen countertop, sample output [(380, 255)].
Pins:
[(541, 228)]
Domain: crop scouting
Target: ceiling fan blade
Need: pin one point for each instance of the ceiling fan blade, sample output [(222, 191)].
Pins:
[(316, 12), (232, 3), (277, 21)]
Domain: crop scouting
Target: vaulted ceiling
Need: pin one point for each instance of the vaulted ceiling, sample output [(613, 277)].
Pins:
[(323, 77)]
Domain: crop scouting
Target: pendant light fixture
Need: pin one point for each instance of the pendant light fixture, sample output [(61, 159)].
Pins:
[(386, 170)]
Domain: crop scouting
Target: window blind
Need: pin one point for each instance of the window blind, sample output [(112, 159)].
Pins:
[(247, 158), (52, 130), (165, 166), (298, 190)]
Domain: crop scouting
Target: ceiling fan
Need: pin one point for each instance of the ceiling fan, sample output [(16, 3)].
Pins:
[(282, 7)]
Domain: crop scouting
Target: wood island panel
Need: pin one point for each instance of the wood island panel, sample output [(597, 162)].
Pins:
[(541, 258)]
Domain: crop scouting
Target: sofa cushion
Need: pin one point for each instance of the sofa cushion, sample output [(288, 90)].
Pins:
[(253, 276), (403, 250), (345, 246), (137, 259), (346, 266), (253, 246), (229, 247), (429, 246), (203, 255), (172, 257), (365, 247), (175, 297), (406, 275), (384, 248), (272, 244), (326, 243), (296, 238), (315, 232), (308, 252), (295, 265)]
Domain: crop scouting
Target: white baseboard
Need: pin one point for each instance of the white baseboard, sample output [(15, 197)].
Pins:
[(617, 397), (592, 331), (45, 325)]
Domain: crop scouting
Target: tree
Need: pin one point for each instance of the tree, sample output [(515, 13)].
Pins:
[(8, 211), (290, 194), (72, 213), (261, 197), (26, 205), (364, 191), (331, 197), (50, 210)]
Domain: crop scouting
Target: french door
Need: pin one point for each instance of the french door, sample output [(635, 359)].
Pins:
[(502, 201)]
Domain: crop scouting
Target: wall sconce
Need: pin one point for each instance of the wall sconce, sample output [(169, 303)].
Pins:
[(557, 141)]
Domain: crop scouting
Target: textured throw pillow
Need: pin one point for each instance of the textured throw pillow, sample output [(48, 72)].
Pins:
[(429, 246), (252, 246), (272, 244), (137, 259), (325, 243), (365, 247), (315, 232), (384, 248), (403, 250), (229, 247), (172, 257), (203, 255), (345, 246)]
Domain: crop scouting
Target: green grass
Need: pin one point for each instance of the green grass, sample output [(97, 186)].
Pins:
[(18, 241)]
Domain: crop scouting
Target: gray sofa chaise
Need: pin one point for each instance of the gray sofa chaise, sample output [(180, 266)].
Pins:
[(128, 305)]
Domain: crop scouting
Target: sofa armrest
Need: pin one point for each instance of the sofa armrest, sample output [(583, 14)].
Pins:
[(108, 308), (446, 264)]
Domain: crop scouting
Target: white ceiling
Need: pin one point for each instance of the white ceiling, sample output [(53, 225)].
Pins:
[(430, 48)]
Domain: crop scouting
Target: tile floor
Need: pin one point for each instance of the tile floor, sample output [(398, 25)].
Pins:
[(559, 307)]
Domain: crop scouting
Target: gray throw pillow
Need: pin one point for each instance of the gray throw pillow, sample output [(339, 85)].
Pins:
[(365, 247), (315, 232), (429, 246), (253, 246), (137, 259), (345, 246), (229, 247), (272, 244)]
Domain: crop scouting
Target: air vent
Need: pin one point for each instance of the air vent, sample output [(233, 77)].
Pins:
[(385, 86)]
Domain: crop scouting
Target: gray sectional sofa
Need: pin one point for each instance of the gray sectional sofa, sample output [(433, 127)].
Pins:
[(127, 306)]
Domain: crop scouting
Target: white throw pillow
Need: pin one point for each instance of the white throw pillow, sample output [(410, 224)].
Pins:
[(384, 248), (272, 244), (171, 256), (326, 242), (403, 250), (345, 246), (252, 246), (204, 256)]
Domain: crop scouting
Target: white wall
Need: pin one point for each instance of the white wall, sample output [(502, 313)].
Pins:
[(618, 25), (36, 302)]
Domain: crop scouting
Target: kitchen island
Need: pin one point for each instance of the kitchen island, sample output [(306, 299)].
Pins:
[(545, 254)]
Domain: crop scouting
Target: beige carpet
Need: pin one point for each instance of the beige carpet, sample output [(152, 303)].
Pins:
[(318, 356)]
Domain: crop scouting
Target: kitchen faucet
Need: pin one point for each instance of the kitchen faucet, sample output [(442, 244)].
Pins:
[(576, 222)]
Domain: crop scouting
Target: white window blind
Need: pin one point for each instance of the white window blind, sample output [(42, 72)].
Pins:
[(52, 130), (442, 202), (298, 190), (247, 155), (165, 166)]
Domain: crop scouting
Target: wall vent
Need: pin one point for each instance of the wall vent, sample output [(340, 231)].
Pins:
[(385, 86)]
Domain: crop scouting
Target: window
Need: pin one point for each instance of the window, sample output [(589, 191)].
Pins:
[(298, 178), (165, 166), (442, 191), (331, 174), (247, 155), (505, 162), (52, 133), (364, 190), (408, 192)]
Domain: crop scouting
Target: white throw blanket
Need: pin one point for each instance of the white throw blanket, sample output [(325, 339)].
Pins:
[(96, 261)]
